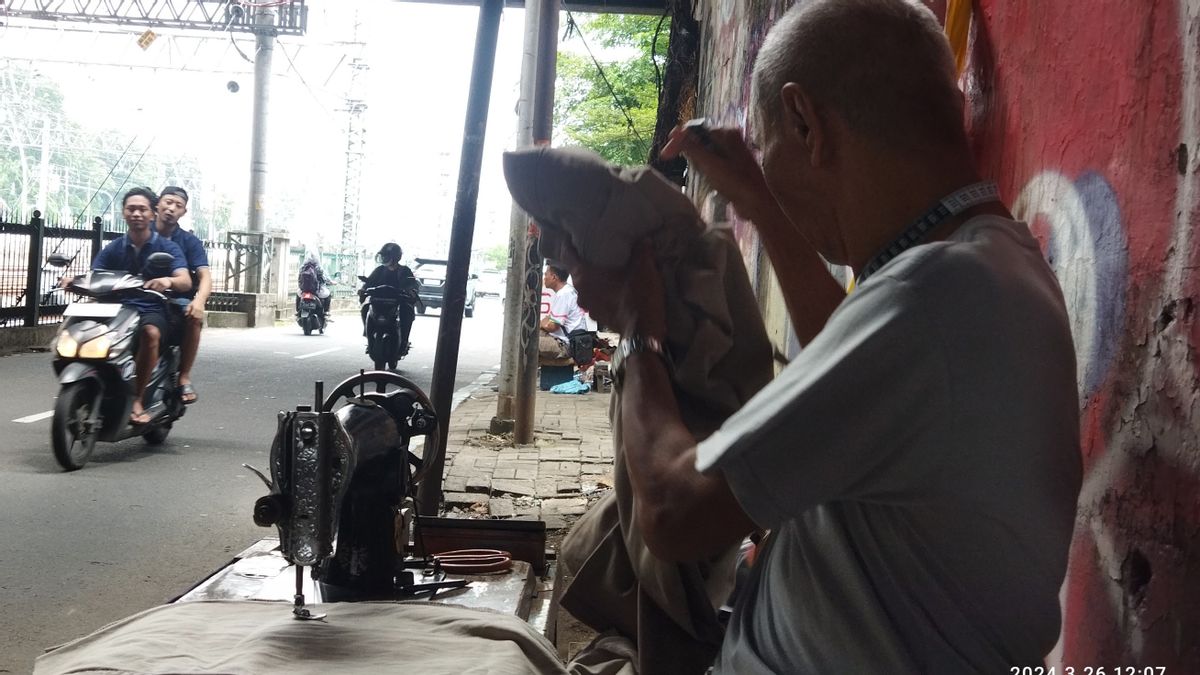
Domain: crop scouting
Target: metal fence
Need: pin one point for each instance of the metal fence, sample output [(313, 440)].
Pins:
[(28, 282)]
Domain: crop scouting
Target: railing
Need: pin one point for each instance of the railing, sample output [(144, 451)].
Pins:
[(29, 293)]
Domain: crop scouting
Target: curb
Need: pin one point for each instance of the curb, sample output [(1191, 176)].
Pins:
[(485, 378)]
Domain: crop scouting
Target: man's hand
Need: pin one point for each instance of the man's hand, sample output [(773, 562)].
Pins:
[(721, 154), (630, 300), (65, 281), (195, 309), (161, 284)]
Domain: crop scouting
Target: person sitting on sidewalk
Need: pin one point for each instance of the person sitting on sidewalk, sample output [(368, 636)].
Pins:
[(564, 316), (918, 463), (172, 205)]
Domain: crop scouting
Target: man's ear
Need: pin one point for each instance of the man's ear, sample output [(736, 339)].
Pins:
[(801, 122)]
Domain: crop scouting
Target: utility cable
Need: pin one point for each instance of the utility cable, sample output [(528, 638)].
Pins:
[(658, 76), (572, 26)]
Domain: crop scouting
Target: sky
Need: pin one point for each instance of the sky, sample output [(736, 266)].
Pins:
[(419, 58)]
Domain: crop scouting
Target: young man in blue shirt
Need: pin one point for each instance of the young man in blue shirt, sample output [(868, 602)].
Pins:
[(130, 253), (172, 205)]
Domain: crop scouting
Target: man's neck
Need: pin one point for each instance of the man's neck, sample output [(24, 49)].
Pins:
[(870, 225), (139, 237), (167, 229)]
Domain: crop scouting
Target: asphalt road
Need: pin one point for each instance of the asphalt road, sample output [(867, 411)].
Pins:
[(139, 525)]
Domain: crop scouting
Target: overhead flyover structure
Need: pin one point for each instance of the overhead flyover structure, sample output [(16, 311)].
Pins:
[(655, 7), (213, 15)]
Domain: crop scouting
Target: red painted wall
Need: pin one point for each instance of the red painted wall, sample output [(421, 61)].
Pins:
[(1087, 112)]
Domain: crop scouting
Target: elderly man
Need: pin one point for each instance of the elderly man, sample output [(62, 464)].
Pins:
[(917, 465)]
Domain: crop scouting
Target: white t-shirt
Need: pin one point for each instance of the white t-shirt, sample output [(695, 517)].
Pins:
[(565, 311), (919, 465)]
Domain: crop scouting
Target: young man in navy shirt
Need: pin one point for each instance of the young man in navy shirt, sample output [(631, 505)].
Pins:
[(130, 253), (172, 205)]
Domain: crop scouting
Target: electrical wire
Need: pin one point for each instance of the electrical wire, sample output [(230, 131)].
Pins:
[(573, 26), (658, 76)]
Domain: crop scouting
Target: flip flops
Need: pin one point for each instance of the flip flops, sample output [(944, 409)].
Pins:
[(186, 390), (138, 419)]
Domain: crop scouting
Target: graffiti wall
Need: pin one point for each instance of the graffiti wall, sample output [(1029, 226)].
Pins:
[(1088, 115)]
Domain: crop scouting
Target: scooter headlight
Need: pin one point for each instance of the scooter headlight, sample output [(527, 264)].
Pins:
[(96, 348), (67, 346)]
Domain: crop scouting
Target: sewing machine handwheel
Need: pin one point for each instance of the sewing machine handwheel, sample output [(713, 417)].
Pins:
[(382, 380), (351, 386)]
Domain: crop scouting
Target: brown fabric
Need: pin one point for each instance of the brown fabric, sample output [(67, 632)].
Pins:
[(552, 352), (256, 638), (721, 357)]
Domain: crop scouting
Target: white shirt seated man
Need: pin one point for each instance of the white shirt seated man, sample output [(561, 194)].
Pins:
[(564, 316)]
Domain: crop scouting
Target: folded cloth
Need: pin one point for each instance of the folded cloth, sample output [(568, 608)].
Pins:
[(263, 638), (570, 387), (721, 357)]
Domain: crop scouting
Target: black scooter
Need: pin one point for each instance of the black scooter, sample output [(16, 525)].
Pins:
[(389, 321), (310, 314), (95, 366)]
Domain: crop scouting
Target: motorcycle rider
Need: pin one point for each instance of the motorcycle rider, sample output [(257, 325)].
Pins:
[(391, 273), (310, 269), (172, 205), (129, 253)]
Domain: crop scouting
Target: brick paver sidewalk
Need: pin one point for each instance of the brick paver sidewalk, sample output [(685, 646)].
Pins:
[(568, 467)]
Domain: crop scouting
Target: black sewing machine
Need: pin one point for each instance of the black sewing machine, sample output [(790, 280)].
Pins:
[(342, 490)]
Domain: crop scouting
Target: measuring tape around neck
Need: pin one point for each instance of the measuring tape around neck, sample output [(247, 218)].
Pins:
[(951, 205)]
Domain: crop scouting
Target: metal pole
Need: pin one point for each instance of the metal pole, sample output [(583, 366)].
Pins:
[(514, 293), (543, 121), (462, 229), (33, 277), (264, 48), (97, 237)]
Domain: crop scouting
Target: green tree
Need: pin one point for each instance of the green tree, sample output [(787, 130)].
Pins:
[(497, 257), (617, 123), (86, 170)]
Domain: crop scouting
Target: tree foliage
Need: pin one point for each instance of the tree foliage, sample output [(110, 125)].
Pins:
[(86, 170), (497, 256), (586, 111)]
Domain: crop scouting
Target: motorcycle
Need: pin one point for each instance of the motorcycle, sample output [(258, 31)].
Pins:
[(309, 313), (386, 329), (94, 362)]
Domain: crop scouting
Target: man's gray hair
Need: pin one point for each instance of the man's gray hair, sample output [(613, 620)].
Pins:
[(882, 65)]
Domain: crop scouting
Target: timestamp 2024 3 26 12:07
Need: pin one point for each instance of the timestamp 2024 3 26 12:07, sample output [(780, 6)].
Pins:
[(1087, 670)]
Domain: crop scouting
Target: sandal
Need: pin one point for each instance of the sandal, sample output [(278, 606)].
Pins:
[(186, 390), (138, 419)]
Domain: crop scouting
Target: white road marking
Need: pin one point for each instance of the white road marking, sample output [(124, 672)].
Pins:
[(29, 419), (318, 353)]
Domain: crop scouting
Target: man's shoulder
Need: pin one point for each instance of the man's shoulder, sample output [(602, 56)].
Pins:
[(161, 243), (983, 246), (118, 243)]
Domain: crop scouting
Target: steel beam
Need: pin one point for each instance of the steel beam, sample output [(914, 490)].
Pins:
[(219, 15), (454, 294)]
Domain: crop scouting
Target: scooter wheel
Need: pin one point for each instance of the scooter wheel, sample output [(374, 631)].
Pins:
[(307, 329), (71, 447)]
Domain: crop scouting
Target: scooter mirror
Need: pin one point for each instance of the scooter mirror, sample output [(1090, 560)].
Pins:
[(58, 260), (362, 278)]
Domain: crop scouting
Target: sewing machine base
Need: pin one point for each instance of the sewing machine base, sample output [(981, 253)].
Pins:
[(261, 573)]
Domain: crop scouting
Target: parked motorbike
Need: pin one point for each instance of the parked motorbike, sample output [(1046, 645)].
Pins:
[(94, 362), (389, 321), (310, 314)]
